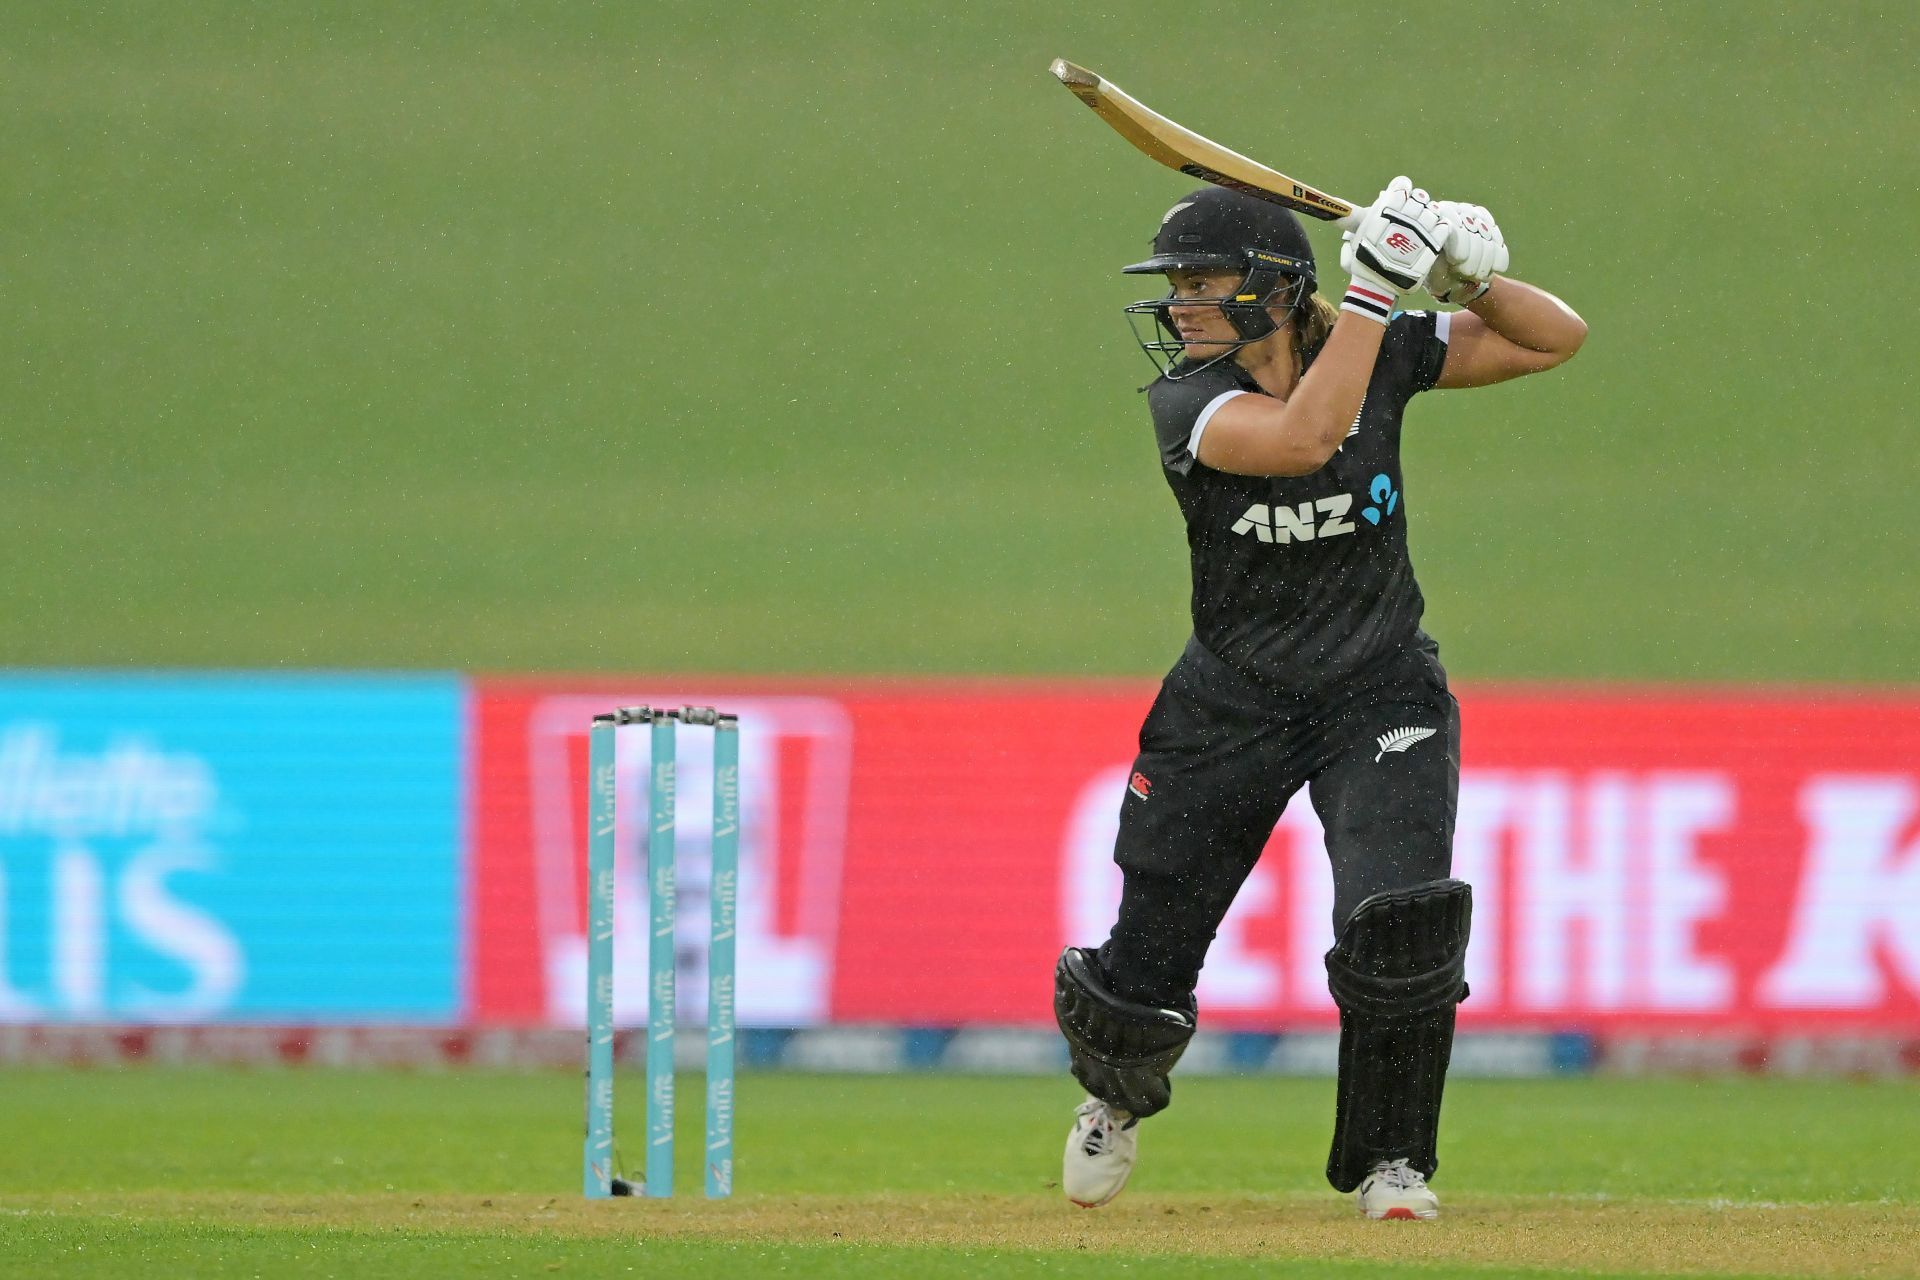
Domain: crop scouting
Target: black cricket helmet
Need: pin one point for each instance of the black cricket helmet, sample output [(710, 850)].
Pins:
[(1214, 229)]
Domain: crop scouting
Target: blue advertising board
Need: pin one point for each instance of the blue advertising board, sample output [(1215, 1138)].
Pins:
[(196, 848)]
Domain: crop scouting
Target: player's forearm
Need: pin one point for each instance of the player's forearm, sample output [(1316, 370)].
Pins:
[(1530, 317)]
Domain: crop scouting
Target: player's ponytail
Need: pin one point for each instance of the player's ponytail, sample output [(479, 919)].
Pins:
[(1312, 322)]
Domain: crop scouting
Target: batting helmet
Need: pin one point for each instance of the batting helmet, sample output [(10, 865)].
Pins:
[(1214, 229)]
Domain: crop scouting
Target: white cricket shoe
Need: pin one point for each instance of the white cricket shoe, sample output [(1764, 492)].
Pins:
[(1100, 1151), (1393, 1190)]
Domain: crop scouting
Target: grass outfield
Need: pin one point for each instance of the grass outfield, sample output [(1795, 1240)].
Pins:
[(313, 1173), (553, 336)]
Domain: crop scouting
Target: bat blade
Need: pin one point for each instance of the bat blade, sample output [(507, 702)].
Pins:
[(1179, 147)]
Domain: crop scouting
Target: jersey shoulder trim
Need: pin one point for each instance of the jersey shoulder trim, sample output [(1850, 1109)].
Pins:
[(1442, 321), (1181, 408), (1206, 416)]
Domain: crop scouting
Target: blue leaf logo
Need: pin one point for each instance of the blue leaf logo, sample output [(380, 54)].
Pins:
[(1384, 495)]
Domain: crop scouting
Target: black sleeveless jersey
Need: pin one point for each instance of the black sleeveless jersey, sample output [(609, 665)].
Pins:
[(1300, 581)]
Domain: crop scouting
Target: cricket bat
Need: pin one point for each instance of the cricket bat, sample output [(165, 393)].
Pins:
[(1181, 148)]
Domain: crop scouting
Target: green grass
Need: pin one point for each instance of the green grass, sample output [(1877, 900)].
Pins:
[(311, 1173), (462, 335), (218, 1252)]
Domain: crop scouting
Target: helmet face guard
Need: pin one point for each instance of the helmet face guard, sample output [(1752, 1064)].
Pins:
[(1215, 229), (1267, 275)]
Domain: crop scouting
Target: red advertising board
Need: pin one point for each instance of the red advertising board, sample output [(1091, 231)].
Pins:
[(919, 852)]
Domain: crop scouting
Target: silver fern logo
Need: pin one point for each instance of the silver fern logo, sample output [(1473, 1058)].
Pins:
[(1400, 740)]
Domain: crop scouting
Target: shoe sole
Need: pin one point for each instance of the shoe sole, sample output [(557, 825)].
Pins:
[(1110, 1197), (1402, 1214)]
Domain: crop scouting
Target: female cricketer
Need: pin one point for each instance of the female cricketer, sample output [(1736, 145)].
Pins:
[(1278, 418)]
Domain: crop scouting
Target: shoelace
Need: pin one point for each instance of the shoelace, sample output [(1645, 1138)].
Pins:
[(1098, 1137), (1397, 1175)]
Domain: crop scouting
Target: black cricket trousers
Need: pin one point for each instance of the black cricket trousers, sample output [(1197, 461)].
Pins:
[(1220, 756)]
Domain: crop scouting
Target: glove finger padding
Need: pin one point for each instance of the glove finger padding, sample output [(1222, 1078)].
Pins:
[(1442, 279), (1473, 253), (1475, 263), (1487, 253)]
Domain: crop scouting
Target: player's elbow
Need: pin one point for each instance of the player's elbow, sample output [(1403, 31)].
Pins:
[(1553, 350), (1571, 337), (1576, 336), (1308, 446), (1266, 458), (1304, 459)]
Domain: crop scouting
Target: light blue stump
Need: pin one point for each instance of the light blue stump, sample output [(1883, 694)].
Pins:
[(720, 935), (661, 1012), (598, 1162)]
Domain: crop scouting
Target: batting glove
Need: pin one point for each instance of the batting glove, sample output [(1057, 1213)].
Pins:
[(1391, 249), (1474, 251)]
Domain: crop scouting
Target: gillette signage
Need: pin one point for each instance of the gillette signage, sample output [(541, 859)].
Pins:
[(187, 849)]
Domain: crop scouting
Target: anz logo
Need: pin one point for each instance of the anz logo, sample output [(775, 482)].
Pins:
[(1319, 518)]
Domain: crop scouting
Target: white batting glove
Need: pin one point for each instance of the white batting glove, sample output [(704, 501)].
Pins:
[(1391, 249), (1474, 251)]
